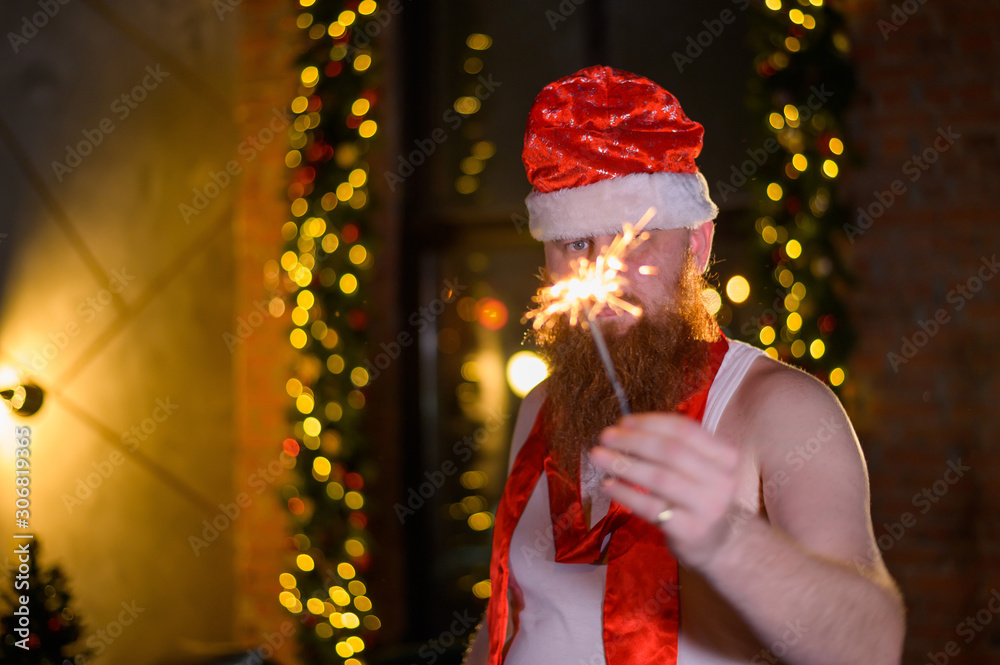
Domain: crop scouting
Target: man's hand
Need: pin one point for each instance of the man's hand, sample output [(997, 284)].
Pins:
[(664, 460)]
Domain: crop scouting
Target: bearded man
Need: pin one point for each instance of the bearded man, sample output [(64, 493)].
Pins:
[(728, 520)]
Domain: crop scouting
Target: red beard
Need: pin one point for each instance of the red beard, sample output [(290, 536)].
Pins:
[(661, 360)]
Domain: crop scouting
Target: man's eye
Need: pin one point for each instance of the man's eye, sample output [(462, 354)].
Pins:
[(577, 245)]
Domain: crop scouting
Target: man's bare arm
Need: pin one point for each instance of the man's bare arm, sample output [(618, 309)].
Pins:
[(816, 563)]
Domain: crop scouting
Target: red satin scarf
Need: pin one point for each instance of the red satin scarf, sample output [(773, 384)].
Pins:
[(641, 613)]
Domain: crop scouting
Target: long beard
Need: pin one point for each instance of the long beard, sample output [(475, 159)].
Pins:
[(661, 360)]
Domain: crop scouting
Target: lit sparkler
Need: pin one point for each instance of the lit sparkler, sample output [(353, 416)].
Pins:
[(591, 287)]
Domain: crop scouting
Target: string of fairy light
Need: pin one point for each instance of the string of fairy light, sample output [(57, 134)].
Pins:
[(801, 87), (325, 272)]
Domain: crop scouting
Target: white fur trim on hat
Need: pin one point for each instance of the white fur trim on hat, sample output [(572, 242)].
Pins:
[(601, 208)]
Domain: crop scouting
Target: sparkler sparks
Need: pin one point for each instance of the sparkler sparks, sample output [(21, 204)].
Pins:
[(593, 285)]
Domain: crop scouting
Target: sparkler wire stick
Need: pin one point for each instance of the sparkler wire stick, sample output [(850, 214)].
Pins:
[(609, 366)]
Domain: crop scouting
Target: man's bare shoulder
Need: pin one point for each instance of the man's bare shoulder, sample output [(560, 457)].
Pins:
[(774, 393)]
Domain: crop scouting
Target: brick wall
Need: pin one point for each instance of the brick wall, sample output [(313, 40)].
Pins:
[(926, 119)]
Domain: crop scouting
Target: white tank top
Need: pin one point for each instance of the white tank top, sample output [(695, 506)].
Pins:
[(556, 607)]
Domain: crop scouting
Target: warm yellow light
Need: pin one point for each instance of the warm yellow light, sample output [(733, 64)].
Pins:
[(799, 161), (785, 277), (793, 249), (287, 599), (304, 403), (287, 580), (478, 41), (359, 377), (777, 120), (771, 351), (798, 348), (348, 283), (358, 254), (774, 191), (357, 178), (791, 112), (300, 207), (830, 168), (334, 411), (362, 62), (307, 3), (808, 22), (344, 650), (367, 7), (712, 300), (367, 129), (357, 587), (351, 620), (481, 589), (360, 106), (314, 605), (791, 303), (817, 348), (738, 288), (466, 184), (792, 44), (298, 338), (312, 426), (346, 17), (796, 16), (354, 548), (293, 387), (305, 299), (345, 191), (354, 500), (767, 335), (345, 570), (483, 149), (305, 562), (480, 521), (336, 29), (335, 363), (773, 5), (335, 491), (330, 243), (471, 165), (467, 105), (356, 643), (372, 622), (324, 631), (794, 321), (836, 146), (769, 234), (310, 76), (525, 370), (799, 290), (836, 376), (473, 65), (322, 466)]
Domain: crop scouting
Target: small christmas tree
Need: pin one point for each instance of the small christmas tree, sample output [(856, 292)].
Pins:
[(52, 627)]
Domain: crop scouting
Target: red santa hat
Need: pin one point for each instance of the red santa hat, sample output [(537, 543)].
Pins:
[(601, 147)]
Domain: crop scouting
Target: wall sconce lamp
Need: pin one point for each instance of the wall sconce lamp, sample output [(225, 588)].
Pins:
[(20, 398)]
